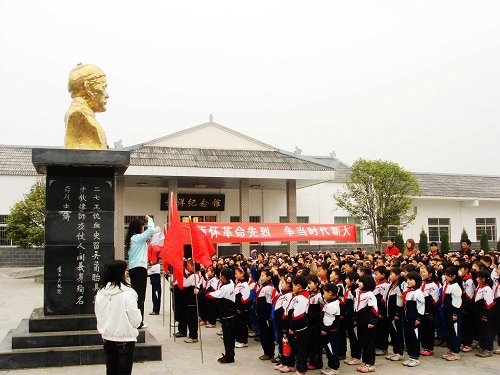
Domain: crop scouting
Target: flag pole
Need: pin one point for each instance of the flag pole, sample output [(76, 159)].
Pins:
[(172, 298), (196, 297), (163, 299)]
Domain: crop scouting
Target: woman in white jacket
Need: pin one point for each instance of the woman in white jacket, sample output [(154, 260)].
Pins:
[(117, 318)]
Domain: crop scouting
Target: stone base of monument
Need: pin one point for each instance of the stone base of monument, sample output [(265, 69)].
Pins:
[(64, 340)]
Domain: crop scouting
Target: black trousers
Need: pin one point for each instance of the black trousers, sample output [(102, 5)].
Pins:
[(138, 281), (366, 339), (241, 327), (266, 335), (412, 334), (315, 350), (468, 327), (192, 321), (300, 348), (228, 328), (342, 338), (119, 357), (180, 309), (485, 332), (156, 297), (331, 343), (453, 330), (496, 320), (382, 338), (397, 336), (427, 330), (353, 341)]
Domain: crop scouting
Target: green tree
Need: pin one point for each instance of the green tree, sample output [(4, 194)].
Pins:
[(379, 194), (423, 243), (464, 236), (445, 242), (26, 221), (484, 242), (399, 241)]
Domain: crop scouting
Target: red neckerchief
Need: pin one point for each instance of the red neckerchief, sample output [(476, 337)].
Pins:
[(444, 291), (424, 284), (477, 289), (304, 293), (468, 277), (404, 296), (381, 282), (394, 285), (359, 295)]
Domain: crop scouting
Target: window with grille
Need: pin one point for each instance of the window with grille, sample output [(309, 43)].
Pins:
[(392, 230), (488, 225), (438, 226), (4, 241), (350, 220)]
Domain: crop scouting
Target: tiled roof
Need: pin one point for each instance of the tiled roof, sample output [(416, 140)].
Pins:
[(212, 158), (16, 161), (448, 185)]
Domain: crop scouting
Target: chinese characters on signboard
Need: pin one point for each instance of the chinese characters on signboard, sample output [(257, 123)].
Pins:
[(195, 202), (79, 240)]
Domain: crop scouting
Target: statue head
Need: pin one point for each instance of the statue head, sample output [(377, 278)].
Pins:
[(88, 81)]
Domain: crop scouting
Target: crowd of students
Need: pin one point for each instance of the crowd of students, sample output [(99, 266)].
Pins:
[(316, 303)]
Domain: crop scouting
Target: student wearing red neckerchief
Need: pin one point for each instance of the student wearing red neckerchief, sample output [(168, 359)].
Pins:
[(430, 291), (366, 320), (452, 303), (468, 288), (380, 292), (483, 307)]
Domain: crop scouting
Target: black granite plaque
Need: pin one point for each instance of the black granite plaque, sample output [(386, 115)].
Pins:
[(79, 236)]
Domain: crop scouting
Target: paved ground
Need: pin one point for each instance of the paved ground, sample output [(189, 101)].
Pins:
[(18, 297)]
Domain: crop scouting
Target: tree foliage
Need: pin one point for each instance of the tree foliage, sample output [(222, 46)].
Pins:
[(26, 221), (464, 236), (484, 242), (399, 241), (445, 242), (379, 194), (423, 243)]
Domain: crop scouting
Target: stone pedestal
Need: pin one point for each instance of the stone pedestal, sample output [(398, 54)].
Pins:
[(79, 224), (79, 240)]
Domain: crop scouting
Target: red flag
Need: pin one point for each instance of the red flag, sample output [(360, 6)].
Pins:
[(173, 246), (201, 245)]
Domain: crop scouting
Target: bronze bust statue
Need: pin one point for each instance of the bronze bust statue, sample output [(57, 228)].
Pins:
[(87, 85)]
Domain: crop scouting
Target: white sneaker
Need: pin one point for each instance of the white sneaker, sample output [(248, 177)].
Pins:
[(329, 371), (413, 362), (396, 357), (354, 361), (240, 345)]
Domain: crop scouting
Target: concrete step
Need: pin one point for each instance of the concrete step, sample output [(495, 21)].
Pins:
[(56, 323), (150, 350), (26, 340)]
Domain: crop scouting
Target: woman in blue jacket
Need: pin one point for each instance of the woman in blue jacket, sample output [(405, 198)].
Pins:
[(137, 248)]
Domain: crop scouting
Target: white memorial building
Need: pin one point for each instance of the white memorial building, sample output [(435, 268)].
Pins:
[(221, 175)]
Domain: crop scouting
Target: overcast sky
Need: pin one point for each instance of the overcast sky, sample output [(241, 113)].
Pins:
[(415, 82)]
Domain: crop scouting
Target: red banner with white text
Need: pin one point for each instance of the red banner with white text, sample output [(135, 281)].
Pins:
[(271, 232)]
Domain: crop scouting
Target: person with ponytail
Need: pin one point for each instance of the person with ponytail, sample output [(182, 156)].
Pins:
[(452, 303), (137, 248)]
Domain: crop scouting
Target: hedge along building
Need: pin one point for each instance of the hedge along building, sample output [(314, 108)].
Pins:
[(222, 175)]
